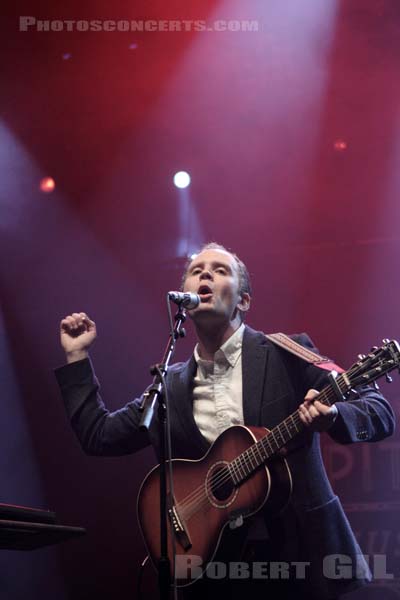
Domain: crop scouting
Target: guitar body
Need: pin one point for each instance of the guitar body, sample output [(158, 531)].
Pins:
[(206, 500), (242, 472)]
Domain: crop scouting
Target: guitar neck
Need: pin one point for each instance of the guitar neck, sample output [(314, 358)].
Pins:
[(257, 455), (369, 368)]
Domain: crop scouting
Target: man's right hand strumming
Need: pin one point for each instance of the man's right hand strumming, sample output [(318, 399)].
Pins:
[(77, 334)]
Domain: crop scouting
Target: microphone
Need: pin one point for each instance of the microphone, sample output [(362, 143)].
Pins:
[(185, 299)]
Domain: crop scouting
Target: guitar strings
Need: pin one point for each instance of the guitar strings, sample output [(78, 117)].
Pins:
[(199, 497), (196, 499), (191, 502), (192, 505)]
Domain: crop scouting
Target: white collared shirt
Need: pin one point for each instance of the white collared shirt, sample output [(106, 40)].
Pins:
[(217, 393)]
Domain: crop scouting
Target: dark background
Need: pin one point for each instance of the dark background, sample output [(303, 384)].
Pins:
[(292, 137)]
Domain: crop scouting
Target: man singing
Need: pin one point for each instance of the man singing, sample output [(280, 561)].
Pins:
[(238, 376)]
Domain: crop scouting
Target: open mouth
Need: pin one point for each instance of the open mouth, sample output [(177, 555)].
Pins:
[(205, 292)]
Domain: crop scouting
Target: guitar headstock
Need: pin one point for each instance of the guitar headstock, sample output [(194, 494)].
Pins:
[(380, 361)]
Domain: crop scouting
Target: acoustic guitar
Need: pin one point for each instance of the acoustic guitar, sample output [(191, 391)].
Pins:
[(242, 472)]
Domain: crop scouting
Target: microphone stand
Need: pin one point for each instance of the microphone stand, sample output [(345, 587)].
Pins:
[(150, 397)]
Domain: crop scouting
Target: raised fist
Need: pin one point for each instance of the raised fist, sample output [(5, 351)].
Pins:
[(77, 334)]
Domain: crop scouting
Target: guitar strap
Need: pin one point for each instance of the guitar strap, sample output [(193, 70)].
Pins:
[(287, 343)]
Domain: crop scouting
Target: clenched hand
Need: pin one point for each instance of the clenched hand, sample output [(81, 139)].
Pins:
[(77, 334)]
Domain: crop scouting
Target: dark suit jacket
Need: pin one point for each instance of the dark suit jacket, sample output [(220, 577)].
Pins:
[(274, 384)]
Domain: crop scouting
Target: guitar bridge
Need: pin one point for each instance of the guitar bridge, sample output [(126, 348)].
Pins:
[(178, 527)]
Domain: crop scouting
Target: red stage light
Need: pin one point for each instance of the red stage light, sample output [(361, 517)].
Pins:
[(47, 185), (340, 145)]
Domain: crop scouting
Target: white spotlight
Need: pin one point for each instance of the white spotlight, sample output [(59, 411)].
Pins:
[(182, 179)]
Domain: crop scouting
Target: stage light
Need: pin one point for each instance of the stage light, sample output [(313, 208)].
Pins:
[(182, 179), (340, 145), (47, 185)]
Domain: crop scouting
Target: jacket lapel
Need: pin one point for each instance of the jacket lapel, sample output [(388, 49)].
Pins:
[(255, 351), (254, 362)]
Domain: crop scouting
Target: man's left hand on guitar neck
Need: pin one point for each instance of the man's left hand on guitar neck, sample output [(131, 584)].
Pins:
[(316, 415)]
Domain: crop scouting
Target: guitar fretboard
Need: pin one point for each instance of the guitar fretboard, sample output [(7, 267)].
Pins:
[(256, 455)]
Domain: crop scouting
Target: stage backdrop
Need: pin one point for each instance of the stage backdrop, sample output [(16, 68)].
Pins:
[(286, 117)]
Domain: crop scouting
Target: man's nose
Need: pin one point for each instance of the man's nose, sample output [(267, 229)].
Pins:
[(206, 274)]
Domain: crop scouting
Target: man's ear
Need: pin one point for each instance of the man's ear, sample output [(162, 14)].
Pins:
[(244, 303)]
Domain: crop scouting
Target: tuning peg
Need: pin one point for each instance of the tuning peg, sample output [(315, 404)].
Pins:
[(386, 341), (374, 348), (388, 378), (361, 356), (376, 386)]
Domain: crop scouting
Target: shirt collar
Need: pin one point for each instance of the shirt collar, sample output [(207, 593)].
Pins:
[(230, 350)]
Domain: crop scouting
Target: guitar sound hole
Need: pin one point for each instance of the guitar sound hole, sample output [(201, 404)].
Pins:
[(221, 484)]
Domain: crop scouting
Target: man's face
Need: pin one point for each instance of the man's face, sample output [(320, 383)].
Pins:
[(214, 276)]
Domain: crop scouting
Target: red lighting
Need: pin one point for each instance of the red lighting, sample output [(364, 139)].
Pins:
[(47, 185), (340, 145)]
